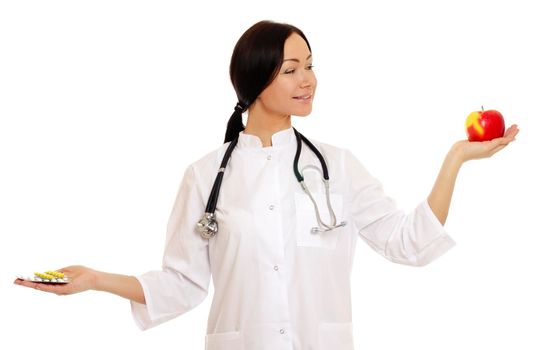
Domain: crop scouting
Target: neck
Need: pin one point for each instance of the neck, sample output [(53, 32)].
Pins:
[(265, 125)]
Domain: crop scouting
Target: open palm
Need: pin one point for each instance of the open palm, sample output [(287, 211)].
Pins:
[(81, 279), (476, 150)]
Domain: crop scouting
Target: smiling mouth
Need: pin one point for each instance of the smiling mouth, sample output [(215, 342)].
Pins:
[(303, 98)]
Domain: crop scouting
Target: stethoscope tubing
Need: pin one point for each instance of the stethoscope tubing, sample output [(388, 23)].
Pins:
[(298, 175), (214, 194), (208, 227)]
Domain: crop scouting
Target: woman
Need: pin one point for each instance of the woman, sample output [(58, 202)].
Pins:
[(281, 258)]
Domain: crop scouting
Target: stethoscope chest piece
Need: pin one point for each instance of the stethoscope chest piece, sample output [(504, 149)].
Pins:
[(207, 226)]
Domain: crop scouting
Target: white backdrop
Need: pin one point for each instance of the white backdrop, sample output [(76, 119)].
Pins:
[(103, 104)]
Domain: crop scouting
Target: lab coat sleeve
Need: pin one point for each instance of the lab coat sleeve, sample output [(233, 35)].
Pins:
[(415, 238), (184, 279)]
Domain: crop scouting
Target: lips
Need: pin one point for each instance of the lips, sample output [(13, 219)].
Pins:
[(303, 97)]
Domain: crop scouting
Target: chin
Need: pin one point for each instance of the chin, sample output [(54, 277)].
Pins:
[(302, 113)]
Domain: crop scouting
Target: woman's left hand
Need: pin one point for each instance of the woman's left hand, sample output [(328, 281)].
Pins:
[(475, 150)]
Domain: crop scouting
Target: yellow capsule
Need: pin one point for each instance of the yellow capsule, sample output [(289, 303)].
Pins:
[(44, 276), (56, 274), (41, 275)]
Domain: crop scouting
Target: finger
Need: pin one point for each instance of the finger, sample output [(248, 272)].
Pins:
[(25, 283), (59, 289), (495, 150), (29, 284), (502, 141), (49, 288), (512, 131), (506, 139), (515, 132), (493, 146), (43, 287)]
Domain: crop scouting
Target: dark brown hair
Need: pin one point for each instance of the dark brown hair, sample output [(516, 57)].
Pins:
[(257, 57)]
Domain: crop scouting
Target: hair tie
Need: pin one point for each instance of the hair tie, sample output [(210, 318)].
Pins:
[(239, 108)]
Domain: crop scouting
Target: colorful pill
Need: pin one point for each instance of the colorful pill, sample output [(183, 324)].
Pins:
[(44, 276), (55, 274)]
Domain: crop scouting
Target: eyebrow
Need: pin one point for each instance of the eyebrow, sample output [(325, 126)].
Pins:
[(296, 60)]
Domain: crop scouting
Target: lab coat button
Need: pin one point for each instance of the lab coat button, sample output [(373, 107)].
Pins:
[(276, 268), (271, 207), (269, 157), (282, 331)]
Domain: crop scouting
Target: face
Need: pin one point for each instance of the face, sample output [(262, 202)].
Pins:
[(292, 90)]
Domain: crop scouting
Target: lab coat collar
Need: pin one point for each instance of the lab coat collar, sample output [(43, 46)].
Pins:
[(279, 139)]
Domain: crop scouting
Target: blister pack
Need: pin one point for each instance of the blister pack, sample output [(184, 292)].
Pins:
[(46, 277)]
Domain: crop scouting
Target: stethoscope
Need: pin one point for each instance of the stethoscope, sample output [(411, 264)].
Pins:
[(207, 226)]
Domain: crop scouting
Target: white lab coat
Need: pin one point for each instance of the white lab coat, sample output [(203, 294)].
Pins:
[(276, 285)]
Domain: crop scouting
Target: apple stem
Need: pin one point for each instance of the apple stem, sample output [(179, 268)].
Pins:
[(482, 109)]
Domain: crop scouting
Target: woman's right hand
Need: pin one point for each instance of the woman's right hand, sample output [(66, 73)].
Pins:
[(81, 279)]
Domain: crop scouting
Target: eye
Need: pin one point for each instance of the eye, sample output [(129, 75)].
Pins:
[(289, 71), (309, 67)]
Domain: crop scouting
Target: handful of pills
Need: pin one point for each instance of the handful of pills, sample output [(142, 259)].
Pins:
[(46, 277)]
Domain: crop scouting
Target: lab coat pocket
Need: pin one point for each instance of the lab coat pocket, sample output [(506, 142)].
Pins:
[(337, 336), (305, 220), (224, 341)]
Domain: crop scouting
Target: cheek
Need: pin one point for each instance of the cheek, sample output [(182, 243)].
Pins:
[(314, 81), (277, 93)]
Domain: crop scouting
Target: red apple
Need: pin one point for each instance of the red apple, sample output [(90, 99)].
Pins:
[(484, 125)]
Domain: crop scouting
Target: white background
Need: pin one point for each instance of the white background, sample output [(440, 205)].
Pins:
[(103, 104)]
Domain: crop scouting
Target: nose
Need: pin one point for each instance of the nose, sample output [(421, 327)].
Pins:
[(307, 79), (305, 83)]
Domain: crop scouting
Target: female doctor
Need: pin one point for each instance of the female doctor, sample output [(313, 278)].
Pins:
[(273, 218)]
